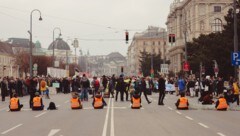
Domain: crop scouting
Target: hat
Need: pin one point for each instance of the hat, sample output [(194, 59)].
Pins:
[(36, 93)]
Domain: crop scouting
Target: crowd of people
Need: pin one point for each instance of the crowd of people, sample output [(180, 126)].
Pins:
[(129, 88)]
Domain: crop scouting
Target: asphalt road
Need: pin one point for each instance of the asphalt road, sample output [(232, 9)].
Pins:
[(117, 119)]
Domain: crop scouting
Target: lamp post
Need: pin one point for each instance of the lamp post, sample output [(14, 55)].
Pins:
[(235, 34), (67, 59), (56, 28), (30, 44), (75, 45)]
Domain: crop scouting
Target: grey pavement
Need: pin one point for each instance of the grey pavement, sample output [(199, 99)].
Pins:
[(118, 119)]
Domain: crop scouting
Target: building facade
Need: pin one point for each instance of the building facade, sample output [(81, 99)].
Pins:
[(153, 40), (190, 18)]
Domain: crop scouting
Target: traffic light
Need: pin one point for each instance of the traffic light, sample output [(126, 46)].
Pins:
[(122, 69), (126, 36), (4, 67), (171, 38), (186, 66)]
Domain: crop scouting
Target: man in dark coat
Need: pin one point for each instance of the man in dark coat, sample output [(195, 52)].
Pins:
[(161, 87), (120, 87), (4, 88), (32, 90), (143, 90)]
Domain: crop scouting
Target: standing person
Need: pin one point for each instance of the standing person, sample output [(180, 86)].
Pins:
[(32, 90), (120, 87), (4, 88), (85, 84), (127, 83), (43, 88), (235, 91), (104, 82), (197, 87), (181, 85), (15, 103), (161, 87), (19, 87), (144, 90), (95, 85), (220, 86), (111, 88), (11, 86), (176, 86), (191, 87)]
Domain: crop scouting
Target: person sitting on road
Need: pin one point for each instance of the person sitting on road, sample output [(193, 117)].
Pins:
[(37, 102), (207, 99), (221, 103), (98, 101), (182, 103), (136, 101), (75, 102), (15, 103)]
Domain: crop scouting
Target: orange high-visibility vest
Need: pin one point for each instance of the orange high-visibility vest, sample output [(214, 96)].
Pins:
[(183, 103), (14, 103), (136, 102), (98, 102), (37, 102), (75, 103), (222, 104)]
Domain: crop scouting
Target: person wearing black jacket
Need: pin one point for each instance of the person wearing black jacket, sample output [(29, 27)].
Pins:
[(85, 84), (161, 87), (4, 88), (120, 87), (144, 89), (32, 90)]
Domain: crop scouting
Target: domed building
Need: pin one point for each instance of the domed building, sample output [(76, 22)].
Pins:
[(62, 51)]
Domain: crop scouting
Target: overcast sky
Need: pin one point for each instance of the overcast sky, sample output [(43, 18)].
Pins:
[(98, 24)]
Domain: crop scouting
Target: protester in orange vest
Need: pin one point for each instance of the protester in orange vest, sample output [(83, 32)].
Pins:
[(221, 103), (98, 101), (182, 103), (15, 103), (136, 101), (37, 102), (75, 102)]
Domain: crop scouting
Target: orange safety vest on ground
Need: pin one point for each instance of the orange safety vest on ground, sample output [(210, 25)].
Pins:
[(222, 104), (37, 102), (75, 103), (14, 103), (183, 103), (98, 102), (136, 102)]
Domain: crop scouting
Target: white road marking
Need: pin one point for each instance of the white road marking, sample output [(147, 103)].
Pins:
[(178, 112), (104, 133), (170, 108), (66, 101), (141, 108), (203, 125), (112, 120), (3, 109), (5, 132), (53, 132), (58, 105), (118, 107), (40, 114), (88, 108), (189, 118), (220, 134)]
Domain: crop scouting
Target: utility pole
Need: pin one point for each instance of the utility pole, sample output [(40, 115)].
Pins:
[(235, 34)]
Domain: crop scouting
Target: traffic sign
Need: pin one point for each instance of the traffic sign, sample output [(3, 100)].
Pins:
[(164, 68), (235, 57)]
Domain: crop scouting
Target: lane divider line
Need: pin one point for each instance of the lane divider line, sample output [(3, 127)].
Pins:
[(220, 134), (5, 132), (40, 114), (170, 108), (104, 133), (66, 101), (178, 112), (203, 125), (188, 117), (112, 119)]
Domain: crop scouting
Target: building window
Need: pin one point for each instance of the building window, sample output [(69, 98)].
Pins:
[(159, 43), (217, 8), (202, 26), (144, 43), (217, 25)]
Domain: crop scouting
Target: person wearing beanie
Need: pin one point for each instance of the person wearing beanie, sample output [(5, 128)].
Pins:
[(37, 102)]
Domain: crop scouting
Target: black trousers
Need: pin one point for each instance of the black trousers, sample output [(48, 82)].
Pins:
[(145, 94), (161, 97), (126, 92), (121, 95), (236, 98), (31, 99)]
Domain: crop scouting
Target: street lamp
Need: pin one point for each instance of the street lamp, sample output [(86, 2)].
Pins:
[(75, 45), (30, 44), (56, 28)]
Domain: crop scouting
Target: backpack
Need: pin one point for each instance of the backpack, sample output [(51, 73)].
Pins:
[(52, 106), (96, 83)]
